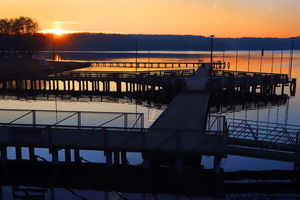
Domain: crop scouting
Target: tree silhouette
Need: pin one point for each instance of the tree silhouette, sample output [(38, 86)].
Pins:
[(18, 37), (21, 25)]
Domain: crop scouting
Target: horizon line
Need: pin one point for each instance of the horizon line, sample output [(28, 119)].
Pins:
[(67, 32)]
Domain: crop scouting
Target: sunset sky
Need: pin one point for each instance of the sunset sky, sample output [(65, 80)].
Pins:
[(223, 18)]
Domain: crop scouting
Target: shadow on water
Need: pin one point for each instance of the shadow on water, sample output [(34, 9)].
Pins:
[(96, 181), (221, 103)]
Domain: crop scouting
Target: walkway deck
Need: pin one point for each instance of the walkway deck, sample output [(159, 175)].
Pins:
[(188, 110)]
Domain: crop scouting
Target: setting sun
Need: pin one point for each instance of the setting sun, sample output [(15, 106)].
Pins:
[(57, 31)]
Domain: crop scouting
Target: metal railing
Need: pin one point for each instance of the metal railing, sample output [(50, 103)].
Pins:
[(123, 75), (257, 76), (216, 123), (263, 131), (145, 64), (60, 118)]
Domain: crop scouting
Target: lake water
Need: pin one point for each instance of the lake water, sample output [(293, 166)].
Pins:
[(287, 113)]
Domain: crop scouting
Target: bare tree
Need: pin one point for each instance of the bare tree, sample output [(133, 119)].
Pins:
[(24, 25), (19, 25), (4, 26), (19, 36)]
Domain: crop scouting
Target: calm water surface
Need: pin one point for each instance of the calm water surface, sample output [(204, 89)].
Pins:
[(240, 60), (288, 113)]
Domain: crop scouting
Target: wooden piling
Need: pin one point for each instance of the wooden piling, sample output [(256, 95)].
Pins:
[(116, 157), (18, 151), (76, 155), (67, 155), (32, 156)]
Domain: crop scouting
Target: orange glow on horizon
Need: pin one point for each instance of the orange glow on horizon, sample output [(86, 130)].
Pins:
[(230, 18), (57, 31)]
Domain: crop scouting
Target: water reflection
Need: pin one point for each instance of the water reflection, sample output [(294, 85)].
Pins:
[(276, 109), (98, 182)]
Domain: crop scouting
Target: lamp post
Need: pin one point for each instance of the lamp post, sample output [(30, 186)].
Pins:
[(136, 54), (211, 48), (291, 58)]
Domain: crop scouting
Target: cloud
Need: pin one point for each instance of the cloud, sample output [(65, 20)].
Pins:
[(268, 10), (59, 23)]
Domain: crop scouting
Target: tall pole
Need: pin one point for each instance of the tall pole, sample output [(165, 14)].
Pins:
[(281, 61), (136, 40), (272, 61), (249, 60), (261, 59), (223, 56), (211, 49), (236, 60), (291, 58)]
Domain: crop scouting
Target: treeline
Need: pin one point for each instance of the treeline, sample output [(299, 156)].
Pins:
[(123, 42), (19, 36)]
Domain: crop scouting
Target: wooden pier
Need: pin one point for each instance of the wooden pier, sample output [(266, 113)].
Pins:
[(146, 64), (183, 130), (168, 80)]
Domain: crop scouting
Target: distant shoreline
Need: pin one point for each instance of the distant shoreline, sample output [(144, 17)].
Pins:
[(131, 42)]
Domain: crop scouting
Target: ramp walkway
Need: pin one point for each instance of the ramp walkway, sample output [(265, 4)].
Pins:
[(188, 110)]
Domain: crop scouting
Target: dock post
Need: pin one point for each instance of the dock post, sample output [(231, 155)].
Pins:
[(57, 84), (40, 84), (69, 85), (67, 155), (45, 85), (253, 89), (119, 87), (87, 85), (25, 83), (16, 84), (146, 161), (179, 163), (53, 84), (18, 153), (54, 154), (93, 86), (32, 154), (124, 158), (83, 85), (293, 87), (79, 83), (76, 155), (73, 85), (64, 81), (98, 86), (4, 85), (49, 82), (108, 155), (116, 158), (3, 154), (31, 84), (4, 160), (217, 164), (282, 89)]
